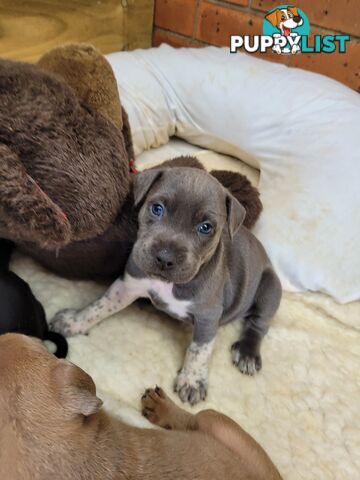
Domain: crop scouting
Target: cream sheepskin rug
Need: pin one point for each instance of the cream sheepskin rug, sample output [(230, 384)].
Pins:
[(303, 407)]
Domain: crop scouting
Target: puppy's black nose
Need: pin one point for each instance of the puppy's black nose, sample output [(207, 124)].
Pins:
[(165, 259), (297, 19)]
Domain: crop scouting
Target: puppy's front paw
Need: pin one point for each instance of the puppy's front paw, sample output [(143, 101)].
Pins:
[(67, 323), (247, 362), (190, 387)]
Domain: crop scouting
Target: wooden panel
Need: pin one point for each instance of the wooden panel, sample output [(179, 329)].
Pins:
[(30, 28)]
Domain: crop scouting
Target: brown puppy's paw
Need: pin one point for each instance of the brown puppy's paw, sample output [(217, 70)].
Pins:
[(247, 362), (156, 407)]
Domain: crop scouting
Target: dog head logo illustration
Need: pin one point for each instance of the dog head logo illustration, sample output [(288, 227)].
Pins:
[(285, 19), (288, 22)]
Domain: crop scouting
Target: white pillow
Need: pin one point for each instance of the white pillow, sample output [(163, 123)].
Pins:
[(302, 130), (144, 99)]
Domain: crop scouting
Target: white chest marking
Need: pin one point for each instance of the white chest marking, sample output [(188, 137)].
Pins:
[(143, 287)]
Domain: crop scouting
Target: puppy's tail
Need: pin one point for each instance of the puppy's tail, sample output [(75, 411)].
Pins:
[(62, 346), (6, 248)]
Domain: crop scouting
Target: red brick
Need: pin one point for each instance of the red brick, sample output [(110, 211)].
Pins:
[(176, 15), (238, 2), (217, 23), (161, 36), (266, 5), (344, 67), (342, 16)]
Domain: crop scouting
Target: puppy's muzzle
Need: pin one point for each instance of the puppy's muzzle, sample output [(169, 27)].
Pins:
[(167, 259)]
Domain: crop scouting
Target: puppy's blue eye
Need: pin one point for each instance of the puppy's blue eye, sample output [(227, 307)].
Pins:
[(157, 209), (205, 228)]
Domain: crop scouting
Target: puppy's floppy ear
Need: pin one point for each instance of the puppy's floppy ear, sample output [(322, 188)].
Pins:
[(273, 18), (143, 182), (235, 214), (294, 11), (76, 389)]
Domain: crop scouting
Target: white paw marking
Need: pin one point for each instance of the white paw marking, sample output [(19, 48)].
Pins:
[(67, 323), (190, 387), (192, 381)]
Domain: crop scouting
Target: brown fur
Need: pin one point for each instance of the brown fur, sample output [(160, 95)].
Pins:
[(25, 210), (70, 160), (275, 16), (101, 258), (89, 74), (126, 130), (52, 427)]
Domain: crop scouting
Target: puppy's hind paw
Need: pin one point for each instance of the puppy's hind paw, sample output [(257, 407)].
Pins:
[(247, 362), (66, 323)]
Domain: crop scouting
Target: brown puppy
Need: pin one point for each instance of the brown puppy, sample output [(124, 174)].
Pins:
[(51, 427)]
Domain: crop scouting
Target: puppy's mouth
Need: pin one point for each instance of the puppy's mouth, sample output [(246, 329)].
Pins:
[(179, 277), (178, 269), (157, 275)]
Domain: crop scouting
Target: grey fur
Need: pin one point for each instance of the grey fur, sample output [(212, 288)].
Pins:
[(213, 279), (224, 277), (227, 276)]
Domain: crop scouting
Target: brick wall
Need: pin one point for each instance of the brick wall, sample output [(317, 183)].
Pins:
[(194, 23)]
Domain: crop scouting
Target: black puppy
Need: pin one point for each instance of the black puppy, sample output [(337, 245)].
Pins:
[(20, 311)]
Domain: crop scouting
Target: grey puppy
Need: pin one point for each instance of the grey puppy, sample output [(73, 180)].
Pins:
[(194, 260)]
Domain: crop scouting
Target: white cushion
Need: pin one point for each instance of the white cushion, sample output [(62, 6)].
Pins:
[(152, 121), (299, 128)]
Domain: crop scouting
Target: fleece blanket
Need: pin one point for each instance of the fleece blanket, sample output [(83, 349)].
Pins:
[(303, 407)]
